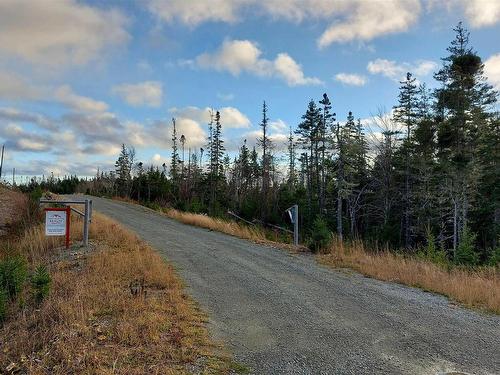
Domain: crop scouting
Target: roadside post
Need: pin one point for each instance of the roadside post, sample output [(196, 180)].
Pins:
[(86, 215), (293, 212), (57, 222)]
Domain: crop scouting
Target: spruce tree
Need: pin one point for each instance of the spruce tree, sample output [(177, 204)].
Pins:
[(405, 113), (174, 164), (461, 103)]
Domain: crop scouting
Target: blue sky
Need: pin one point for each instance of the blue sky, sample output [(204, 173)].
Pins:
[(79, 78)]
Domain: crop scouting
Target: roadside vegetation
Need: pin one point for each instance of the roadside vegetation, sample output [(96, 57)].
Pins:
[(117, 307)]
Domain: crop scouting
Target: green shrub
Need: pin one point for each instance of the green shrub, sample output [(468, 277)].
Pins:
[(320, 235), (494, 259), (431, 252), (40, 282), (13, 273), (466, 253)]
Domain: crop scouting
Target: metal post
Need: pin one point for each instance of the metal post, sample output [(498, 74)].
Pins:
[(296, 225), (86, 223), (1, 162), (90, 212), (68, 222)]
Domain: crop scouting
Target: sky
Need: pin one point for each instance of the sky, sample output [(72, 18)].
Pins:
[(80, 78)]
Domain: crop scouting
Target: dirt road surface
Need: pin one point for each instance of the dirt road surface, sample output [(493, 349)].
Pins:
[(281, 313)]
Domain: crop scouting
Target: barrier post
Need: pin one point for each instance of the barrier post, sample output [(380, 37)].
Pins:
[(68, 220), (86, 223)]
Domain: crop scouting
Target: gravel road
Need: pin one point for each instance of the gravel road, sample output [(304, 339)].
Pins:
[(281, 313)]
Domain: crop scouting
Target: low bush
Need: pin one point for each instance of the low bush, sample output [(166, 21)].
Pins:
[(13, 273), (40, 283), (494, 259), (431, 252), (320, 235), (466, 254)]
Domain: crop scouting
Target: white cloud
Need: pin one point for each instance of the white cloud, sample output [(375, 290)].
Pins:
[(370, 19), (291, 72), (16, 116), (159, 160), (64, 94), (230, 117), (482, 13), (195, 12), (278, 126), (397, 71), (149, 93), (58, 32), (492, 70), (15, 87), (349, 20), (192, 130), (236, 56), (19, 139), (351, 79)]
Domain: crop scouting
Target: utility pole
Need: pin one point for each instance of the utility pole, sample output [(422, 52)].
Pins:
[(13, 176), (1, 162)]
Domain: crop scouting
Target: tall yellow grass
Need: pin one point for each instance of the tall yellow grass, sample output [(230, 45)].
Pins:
[(251, 233), (478, 288), (229, 227), (118, 309)]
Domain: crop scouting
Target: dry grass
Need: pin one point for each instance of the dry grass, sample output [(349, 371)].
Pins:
[(118, 309), (251, 233), (229, 227), (474, 288)]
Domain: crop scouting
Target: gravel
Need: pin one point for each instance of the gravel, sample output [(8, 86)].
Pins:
[(282, 313)]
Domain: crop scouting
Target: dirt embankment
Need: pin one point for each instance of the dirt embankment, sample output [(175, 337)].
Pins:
[(11, 204)]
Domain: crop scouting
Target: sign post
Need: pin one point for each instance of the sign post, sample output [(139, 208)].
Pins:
[(86, 215), (57, 222), (293, 212)]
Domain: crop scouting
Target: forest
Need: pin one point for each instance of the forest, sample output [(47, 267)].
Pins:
[(429, 177)]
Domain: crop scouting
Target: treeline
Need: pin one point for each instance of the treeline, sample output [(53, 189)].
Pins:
[(429, 178)]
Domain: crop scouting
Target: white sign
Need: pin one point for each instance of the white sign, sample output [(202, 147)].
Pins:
[(55, 223)]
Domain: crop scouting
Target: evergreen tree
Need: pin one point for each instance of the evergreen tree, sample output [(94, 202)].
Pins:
[(267, 146), (327, 119), (461, 104), (291, 160), (307, 132), (174, 164), (405, 113), (123, 169)]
